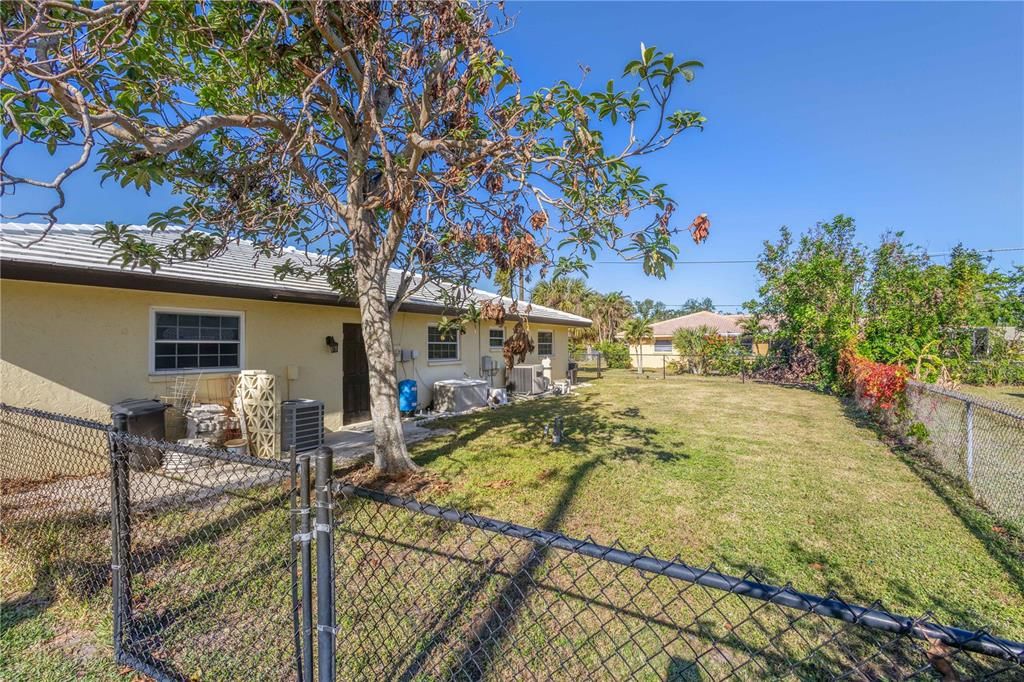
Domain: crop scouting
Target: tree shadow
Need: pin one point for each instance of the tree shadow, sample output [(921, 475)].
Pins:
[(1006, 548), (589, 429), (66, 554), (682, 670), (594, 437), (26, 607), (476, 654)]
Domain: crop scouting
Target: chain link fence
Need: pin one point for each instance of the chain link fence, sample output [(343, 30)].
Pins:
[(54, 520), (203, 566), (208, 566), (424, 592), (585, 365), (980, 441)]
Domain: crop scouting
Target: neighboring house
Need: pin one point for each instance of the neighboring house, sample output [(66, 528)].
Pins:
[(78, 333), (660, 347)]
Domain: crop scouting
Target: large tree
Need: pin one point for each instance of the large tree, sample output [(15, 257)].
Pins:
[(813, 288), (375, 136)]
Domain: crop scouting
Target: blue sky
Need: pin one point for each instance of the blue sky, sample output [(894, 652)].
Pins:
[(905, 116)]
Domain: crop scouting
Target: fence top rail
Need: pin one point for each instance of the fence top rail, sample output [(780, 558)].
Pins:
[(130, 439), (134, 439), (54, 416), (831, 606), (992, 405)]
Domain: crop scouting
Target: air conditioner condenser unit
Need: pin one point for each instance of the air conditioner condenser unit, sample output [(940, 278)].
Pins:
[(528, 379)]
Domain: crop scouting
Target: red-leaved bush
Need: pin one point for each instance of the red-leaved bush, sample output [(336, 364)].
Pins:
[(882, 385)]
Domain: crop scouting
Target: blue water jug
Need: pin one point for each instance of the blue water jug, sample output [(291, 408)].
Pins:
[(407, 398)]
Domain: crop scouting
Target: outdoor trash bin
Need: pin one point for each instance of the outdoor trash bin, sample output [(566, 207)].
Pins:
[(145, 418)]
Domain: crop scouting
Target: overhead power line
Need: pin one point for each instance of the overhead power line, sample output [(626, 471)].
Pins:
[(754, 260), (528, 291)]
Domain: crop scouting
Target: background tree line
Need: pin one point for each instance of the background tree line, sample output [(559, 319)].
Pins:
[(612, 313), (894, 303)]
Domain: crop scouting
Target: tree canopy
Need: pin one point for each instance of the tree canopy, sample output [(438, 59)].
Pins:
[(389, 142), (658, 311)]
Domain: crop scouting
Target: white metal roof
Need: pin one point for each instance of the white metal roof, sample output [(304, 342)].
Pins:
[(70, 247)]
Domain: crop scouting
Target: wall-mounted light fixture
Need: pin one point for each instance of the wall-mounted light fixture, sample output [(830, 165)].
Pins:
[(332, 344)]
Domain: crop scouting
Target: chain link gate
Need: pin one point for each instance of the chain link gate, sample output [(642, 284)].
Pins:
[(191, 565), (204, 572)]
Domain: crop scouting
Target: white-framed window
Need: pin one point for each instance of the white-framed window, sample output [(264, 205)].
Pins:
[(496, 339), (545, 343), (442, 346), (663, 345), (183, 340)]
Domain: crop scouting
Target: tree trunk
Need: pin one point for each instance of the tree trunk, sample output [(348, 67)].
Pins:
[(389, 452)]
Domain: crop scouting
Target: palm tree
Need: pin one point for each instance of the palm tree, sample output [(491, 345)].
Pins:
[(572, 295), (568, 294), (608, 311), (636, 331)]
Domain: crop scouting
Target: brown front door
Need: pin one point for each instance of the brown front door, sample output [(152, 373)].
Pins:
[(355, 383)]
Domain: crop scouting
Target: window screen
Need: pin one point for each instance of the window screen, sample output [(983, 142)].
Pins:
[(197, 341), (663, 345)]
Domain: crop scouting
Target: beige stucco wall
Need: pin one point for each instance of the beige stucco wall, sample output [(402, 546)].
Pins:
[(77, 349), (410, 331), (651, 358)]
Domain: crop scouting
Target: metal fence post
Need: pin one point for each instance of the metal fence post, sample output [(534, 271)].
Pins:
[(599, 356), (120, 532), (325, 565), (970, 443), (305, 536)]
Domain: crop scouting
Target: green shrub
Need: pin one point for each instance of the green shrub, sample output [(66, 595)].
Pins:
[(615, 354), (918, 432), (1004, 364), (728, 357), (986, 372), (702, 351)]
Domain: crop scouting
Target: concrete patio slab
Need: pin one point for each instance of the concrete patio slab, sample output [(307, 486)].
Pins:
[(355, 444)]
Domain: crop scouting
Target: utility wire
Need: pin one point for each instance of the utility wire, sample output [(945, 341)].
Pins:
[(730, 262), (528, 291)]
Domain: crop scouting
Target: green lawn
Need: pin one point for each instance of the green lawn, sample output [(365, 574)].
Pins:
[(786, 483), (1012, 396)]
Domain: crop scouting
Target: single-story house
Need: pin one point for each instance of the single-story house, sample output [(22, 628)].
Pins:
[(660, 347), (78, 333)]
